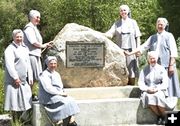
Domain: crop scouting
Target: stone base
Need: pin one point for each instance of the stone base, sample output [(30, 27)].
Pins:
[(5, 120), (103, 106), (40, 117)]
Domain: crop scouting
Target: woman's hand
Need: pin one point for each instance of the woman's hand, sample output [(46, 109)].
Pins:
[(50, 44), (63, 94), (17, 83), (138, 54), (127, 53), (152, 90), (171, 70)]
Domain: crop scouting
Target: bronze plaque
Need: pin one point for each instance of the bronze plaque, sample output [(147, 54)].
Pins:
[(80, 54)]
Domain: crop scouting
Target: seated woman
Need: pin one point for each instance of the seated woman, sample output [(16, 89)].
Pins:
[(58, 105), (153, 82)]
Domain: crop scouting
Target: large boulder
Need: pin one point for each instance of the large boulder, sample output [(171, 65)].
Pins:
[(114, 71)]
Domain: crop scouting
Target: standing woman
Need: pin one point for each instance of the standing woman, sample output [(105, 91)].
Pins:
[(18, 76), (34, 42), (127, 36)]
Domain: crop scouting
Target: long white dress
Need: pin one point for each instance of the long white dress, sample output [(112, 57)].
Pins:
[(57, 106), (155, 77), (17, 65)]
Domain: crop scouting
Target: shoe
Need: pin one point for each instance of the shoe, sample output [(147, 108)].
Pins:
[(72, 124), (163, 122), (34, 98), (159, 121), (59, 123)]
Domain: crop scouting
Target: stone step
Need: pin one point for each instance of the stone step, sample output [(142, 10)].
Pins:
[(104, 92), (110, 106), (104, 106), (103, 112), (113, 112), (5, 120)]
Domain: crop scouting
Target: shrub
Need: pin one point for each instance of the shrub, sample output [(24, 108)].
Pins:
[(1, 91)]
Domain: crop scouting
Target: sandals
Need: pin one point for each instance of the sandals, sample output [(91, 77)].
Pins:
[(72, 124)]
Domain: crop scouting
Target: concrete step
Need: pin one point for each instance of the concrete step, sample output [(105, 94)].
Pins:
[(104, 92), (113, 112), (103, 112), (110, 106), (105, 106)]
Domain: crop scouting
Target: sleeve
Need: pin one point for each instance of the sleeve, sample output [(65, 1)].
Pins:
[(111, 32), (48, 87), (173, 46), (145, 46), (9, 63), (137, 30)]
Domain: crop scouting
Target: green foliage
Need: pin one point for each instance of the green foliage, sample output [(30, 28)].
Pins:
[(170, 10), (146, 13), (11, 18), (1, 91)]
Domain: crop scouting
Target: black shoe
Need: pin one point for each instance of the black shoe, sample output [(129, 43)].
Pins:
[(159, 121), (163, 121), (34, 98), (72, 124)]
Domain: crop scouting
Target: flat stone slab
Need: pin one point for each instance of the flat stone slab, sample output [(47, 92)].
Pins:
[(5, 120), (104, 92), (107, 112), (110, 106), (104, 106)]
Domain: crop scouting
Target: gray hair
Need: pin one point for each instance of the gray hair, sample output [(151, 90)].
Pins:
[(153, 54), (15, 31), (34, 13), (164, 20)]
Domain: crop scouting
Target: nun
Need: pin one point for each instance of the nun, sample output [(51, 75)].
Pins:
[(57, 104), (18, 76), (127, 35), (153, 82), (34, 41)]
